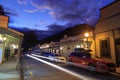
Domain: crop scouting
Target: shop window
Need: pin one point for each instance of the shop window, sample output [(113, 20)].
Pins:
[(105, 48)]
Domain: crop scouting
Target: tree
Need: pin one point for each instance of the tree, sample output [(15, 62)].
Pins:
[(30, 39), (2, 12)]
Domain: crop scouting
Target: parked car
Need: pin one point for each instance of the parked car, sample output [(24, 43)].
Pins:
[(82, 60), (54, 57), (79, 50), (36, 52), (45, 54)]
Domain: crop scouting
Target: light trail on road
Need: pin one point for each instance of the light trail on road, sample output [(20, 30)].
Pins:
[(67, 62), (60, 68), (47, 58)]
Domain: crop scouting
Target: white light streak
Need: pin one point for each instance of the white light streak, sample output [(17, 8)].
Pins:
[(53, 59), (40, 56), (58, 67)]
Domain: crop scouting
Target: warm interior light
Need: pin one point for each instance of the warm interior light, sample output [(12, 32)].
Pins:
[(4, 38), (77, 46), (47, 45), (61, 48), (85, 39)]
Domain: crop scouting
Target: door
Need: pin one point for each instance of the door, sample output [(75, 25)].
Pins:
[(118, 55)]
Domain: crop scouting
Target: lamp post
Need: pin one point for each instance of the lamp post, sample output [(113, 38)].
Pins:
[(86, 36)]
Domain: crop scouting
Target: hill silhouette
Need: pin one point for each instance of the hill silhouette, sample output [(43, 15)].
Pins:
[(72, 31)]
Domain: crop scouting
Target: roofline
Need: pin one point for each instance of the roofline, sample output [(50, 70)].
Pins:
[(109, 4), (16, 32)]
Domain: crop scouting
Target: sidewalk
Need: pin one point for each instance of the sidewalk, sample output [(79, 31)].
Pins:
[(8, 70)]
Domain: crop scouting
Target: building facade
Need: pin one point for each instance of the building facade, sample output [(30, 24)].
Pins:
[(107, 33), (68, 44), (10, 40)]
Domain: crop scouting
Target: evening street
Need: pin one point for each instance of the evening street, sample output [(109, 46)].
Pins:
[(59, 39), (41, 69)]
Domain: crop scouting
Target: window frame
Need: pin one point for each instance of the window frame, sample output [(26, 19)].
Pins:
[(105, 48)]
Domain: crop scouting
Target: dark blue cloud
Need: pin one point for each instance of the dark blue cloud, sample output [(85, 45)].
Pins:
[(55, 28), (52, 29), (73, 11)]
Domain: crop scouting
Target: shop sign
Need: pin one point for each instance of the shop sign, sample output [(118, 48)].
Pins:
[(3, 21)]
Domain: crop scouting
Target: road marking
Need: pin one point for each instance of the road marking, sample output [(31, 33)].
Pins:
[(31, 74), (60, 68)]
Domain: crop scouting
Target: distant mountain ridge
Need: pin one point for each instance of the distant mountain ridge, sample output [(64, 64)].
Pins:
[(72, 31)]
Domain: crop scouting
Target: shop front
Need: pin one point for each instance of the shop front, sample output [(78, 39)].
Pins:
[(10, 40), (10, 43)]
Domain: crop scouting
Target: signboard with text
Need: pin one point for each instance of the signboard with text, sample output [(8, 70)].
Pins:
[(3, 21)]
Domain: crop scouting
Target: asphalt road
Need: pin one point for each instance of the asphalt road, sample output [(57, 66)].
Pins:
[(41, 69), (36, 70)]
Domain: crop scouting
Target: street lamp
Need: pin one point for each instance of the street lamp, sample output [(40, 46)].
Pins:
[(86, 36)]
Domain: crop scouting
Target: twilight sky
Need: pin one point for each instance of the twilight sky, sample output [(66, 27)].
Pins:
[(52, 15)]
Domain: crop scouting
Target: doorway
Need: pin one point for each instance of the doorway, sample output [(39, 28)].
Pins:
[(118, 52)]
